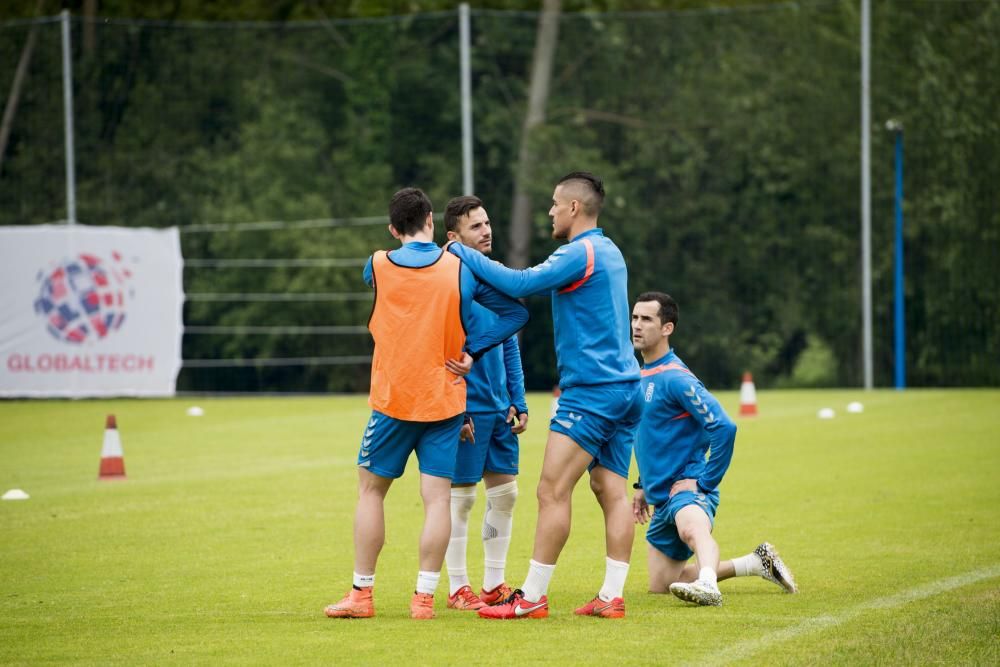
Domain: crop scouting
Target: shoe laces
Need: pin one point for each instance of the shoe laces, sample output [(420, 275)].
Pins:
[(465, 593), (505, 590), (514, 595)]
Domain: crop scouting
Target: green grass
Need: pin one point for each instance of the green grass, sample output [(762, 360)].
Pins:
[(233, 531)]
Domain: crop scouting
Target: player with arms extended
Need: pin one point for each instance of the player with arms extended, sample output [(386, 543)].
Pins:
[(423, 304), (681, 423), (600, 404)]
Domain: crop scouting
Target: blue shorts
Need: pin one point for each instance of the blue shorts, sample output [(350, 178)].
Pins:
[(387, 443), (602, 420), (495, 449), (662, 531)]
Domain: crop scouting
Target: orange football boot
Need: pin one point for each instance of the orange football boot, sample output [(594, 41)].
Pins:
[(356, 604)]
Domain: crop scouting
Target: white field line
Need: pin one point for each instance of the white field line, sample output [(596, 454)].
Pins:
[(746, 649)]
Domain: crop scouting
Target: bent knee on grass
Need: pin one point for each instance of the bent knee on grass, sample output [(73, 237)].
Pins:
[(663, 571)]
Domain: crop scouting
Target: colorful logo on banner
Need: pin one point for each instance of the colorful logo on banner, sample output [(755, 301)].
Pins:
[(83, 299)]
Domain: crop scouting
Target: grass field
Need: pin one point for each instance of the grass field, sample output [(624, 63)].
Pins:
[(233, 531)]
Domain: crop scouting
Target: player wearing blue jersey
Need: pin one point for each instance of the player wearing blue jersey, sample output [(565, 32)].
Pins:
[(683, 450), (600, 404), (496, 414)]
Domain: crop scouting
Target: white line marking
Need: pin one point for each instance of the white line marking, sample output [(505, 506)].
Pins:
[(746, 649)]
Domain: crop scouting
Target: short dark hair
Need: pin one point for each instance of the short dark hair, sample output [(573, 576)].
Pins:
[(458, 207), (593, 185), (668, 307), (408, 210)]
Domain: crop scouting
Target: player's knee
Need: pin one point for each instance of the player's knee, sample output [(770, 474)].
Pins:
[(368, 490), (502, 497), (549, 494), (693, 535), (462, 500), (657, 585)]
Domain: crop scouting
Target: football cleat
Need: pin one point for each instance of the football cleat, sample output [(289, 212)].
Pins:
[(614, 608), (515, 606), (356, 604), (774, 569), (422, 606), (698, 592), (465, 600), (497, 595)]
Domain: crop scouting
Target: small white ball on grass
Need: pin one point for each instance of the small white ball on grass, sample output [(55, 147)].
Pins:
[(825, 413), (195, 411), (855, 407)]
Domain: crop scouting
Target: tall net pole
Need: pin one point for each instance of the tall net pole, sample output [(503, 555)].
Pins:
[(466, 67), (68, 121), (866, 194)]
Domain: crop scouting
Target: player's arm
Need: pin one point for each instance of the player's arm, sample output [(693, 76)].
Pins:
[(563, 267), (511, 315), (515, 374), (518, 413), (705, 409), (368, 273), (640, 507)]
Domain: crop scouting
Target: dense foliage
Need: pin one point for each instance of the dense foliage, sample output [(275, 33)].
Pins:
[(729, 141)]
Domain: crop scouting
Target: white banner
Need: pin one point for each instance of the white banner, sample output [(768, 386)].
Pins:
[(90, 311)]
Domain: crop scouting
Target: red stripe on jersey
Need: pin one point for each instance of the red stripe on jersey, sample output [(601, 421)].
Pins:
[(646, 372), (586, 274)]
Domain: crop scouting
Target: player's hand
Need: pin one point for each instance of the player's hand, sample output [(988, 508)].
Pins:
[(684, 485), (459, 367), (468, 432), (518, 421), (640, 508)]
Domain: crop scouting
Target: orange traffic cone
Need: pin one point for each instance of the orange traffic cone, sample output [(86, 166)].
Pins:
[(556, 393), (112, 456), (748, 396)]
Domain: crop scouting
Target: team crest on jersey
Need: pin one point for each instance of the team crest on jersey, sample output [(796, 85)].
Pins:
[(649, 391)]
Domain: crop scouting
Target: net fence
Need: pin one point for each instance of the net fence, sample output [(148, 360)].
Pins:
[(728, 140)]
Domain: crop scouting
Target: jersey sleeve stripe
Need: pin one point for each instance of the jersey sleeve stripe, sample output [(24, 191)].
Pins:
[(646, 372), (586, 274)]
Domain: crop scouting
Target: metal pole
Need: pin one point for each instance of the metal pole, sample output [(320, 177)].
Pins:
[(466, 76), (68, 121), (866, 194), (900, 321)]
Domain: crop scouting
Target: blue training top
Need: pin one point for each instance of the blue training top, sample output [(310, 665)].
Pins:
[(497, 379), (510, 315), (588, 281), (681, 423)]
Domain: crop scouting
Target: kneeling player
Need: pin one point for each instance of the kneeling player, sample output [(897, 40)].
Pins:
[(681, 423)]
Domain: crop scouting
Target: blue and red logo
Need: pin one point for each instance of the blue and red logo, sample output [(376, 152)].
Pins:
[(84, 298)]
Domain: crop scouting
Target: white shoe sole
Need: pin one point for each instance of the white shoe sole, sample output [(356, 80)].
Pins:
[(696, 595)]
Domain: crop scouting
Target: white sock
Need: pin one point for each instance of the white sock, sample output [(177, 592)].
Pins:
[(462, 500), (536, 585), (615, 572), (748, 566), (427, 582), (708, 575), (364, 580), (498, 524)]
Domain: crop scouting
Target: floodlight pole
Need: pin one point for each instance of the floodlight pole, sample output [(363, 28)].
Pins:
[(465, 48), (68, 120), (896, 127), (866, 194)]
